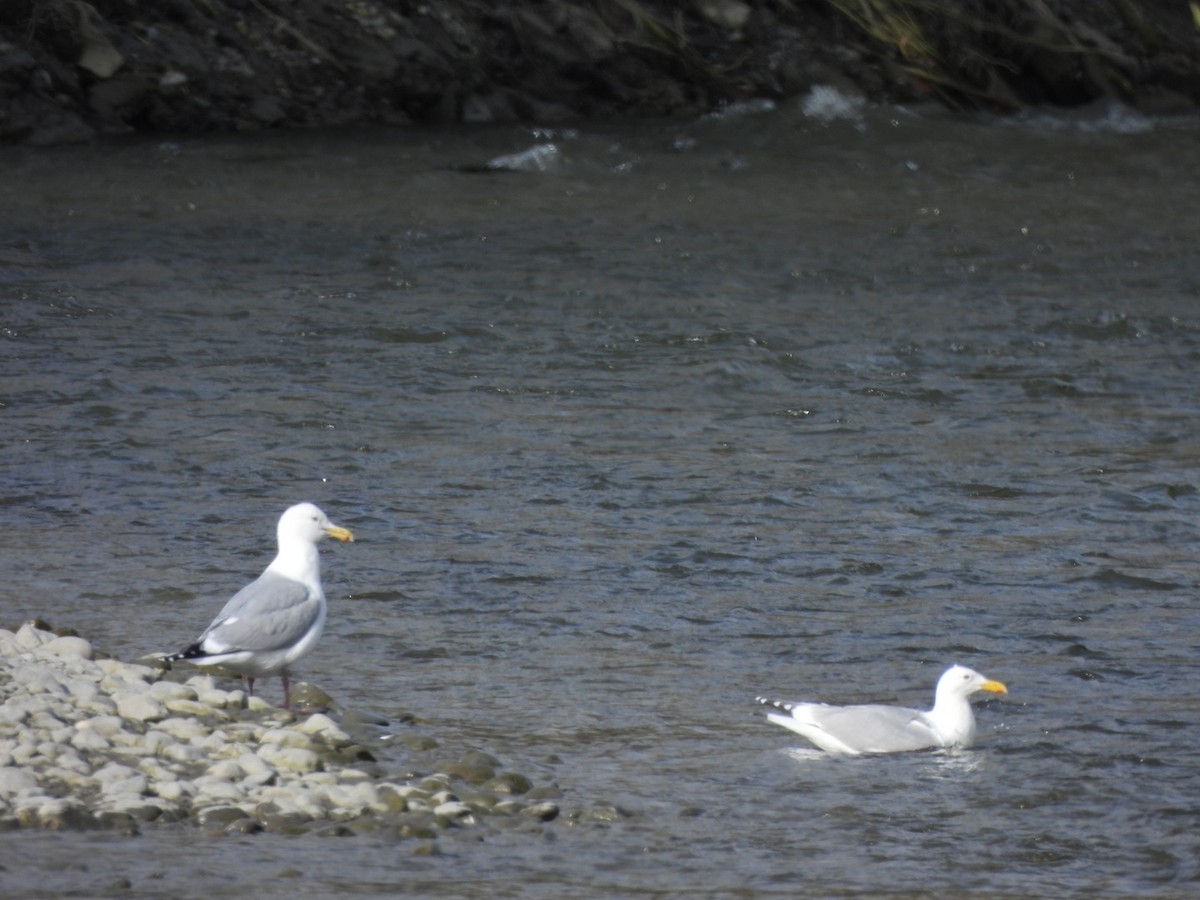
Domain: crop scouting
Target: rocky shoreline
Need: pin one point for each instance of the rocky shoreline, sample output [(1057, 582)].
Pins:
[(89, 743), (71, 70)]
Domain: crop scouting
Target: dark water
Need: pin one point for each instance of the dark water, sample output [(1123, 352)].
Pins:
[(757, 404)]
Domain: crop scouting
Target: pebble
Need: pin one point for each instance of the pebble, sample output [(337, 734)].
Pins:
[(99, 743)]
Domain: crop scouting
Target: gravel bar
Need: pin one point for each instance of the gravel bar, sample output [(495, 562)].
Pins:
[(99, 743)]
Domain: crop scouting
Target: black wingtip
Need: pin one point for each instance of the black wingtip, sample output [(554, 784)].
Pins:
[(192, 652), (781, 705)]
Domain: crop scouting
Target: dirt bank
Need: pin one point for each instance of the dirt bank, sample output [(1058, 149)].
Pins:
[(71, 69)]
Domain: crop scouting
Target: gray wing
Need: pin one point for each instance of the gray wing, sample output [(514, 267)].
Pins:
[(271, 613), (877, 729)]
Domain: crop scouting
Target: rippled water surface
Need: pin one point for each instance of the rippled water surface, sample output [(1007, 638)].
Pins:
[(748, 405)]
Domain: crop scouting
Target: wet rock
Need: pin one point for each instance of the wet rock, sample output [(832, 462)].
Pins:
[(508, 783), (244, 825), (219, 816), (59, 813), (545, 811), (309, 696)]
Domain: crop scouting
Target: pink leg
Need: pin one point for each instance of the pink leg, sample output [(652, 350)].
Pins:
[(249, 686), (287, 693)]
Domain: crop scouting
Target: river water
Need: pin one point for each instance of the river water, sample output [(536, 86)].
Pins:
[(794, 402)]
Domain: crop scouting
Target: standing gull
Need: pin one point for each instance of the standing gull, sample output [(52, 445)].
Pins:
[(273, 621), (888, 729)]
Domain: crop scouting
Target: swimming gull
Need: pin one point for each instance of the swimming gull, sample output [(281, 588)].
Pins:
[(888, 729), (273, 621)]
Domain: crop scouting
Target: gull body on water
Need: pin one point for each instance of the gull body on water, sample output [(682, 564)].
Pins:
[(276, 619), (876, 728)]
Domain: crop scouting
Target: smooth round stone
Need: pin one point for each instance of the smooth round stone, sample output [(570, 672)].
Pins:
[(605, 812), (351, 776), (315, 724), (143, 808), (100, 706), (29, 637), (226, 769), (185, 707), (356, 798), (318, 780), (174, 791), (479, 758), (391, 799), (285, 823), (325, 728), (216, 742), (418, 804), (67, 647), (202, 684), (16, 781), (39, 680), (309, 696), (184, 729), (139, 707), (130, 742), (416, 825), (184, 753), (453, 810), (544, 811), (243, 732), (209, 789), (245, 825), (156, 771), (480, 801), (45, 720), (129, 673), (298, 801), (508, 783), (134, 786), (105, 726), (433, 783), (170, 690), (82, 690), (418, 742), (69, 761), (24, 752), (286, 737), (219, 699), (156, 742), (253, 766), (116, 778), (59, 814), (118, 821), (473, 773), (293, 759), (219, 815)]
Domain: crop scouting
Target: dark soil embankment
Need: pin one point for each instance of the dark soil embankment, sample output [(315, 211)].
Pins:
[(70, 69)]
